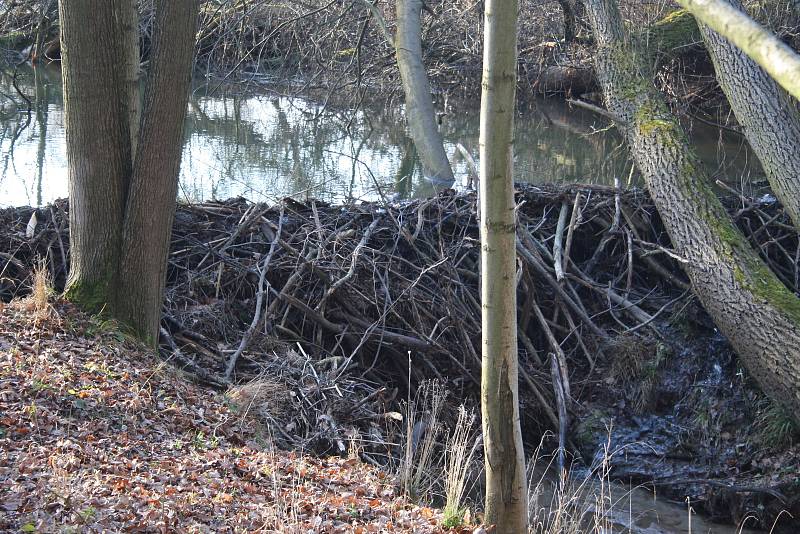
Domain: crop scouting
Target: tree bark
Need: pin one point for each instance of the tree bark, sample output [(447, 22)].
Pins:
[(420, 114), (151, 200), (98, 151), (775, 56), (127, 15), (121, 207), (759, 316), (770, 120), (506, 491)]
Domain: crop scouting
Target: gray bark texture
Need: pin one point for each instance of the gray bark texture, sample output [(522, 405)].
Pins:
[(769, 118), (420, 113), (506, 484), (150, 204), (98, 148), (752, 308), (775, 56), (121, 206)]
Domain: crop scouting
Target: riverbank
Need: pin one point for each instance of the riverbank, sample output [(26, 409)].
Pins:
[(97, 434), (386, 296), (254, 42)]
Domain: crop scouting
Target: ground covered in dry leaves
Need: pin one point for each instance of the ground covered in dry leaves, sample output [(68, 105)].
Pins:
[(97, 434)]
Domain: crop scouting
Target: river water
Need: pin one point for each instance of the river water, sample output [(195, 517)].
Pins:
[(265, 146)]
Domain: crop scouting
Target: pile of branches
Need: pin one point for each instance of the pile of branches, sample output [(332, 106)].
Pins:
[(389, 294)]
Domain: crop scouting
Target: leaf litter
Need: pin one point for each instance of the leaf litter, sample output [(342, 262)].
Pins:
[(97, 434)]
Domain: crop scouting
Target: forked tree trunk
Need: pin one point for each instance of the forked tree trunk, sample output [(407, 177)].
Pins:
[(420, 113), (770, 120), (759, 316), (121, 208), (506, 492)]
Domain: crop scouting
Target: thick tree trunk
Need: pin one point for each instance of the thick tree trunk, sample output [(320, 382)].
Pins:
[(151, 199), (775, 56), (97, 149), (121, 207), (759, 316), (420, 114), (506, 491), (770, 120)]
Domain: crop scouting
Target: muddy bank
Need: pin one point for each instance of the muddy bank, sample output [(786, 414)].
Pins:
[(388, 294)]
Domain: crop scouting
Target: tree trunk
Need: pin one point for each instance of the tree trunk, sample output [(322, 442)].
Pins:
[(570, 31), (775, 56), (98, 153), (420, 114), (127, 14), (506, 491), (770, 120), (151, 201), (121, 207), (759, 316)]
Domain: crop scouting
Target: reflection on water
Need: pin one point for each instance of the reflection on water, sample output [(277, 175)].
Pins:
[(264, 147)]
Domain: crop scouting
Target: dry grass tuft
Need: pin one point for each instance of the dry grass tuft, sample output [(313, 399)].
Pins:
[(462, 444), (420, 476), (266, 398), (38, 302)]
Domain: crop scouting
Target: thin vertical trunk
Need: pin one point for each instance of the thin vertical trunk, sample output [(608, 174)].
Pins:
[(150, 204), (506, 492), (758, 315), (770, 120), (97, 149), (420, 114)]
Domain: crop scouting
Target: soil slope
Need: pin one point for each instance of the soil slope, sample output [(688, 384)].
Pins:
[(96, 434)]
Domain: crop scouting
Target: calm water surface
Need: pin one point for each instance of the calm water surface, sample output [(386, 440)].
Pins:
[(267, 146)]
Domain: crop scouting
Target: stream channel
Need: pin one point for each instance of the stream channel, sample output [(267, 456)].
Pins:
[(265, 146)]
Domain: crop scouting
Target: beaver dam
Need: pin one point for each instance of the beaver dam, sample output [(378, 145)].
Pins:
[(343, 311)]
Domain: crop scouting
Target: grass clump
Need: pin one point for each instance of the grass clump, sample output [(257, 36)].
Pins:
[(462, 444), (418, 478), (775, 426)]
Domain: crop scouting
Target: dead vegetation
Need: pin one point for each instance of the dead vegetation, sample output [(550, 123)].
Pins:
[(370, 299), (96, 434)]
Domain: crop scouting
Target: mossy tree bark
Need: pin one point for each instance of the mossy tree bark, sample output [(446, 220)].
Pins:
[(121, 206), (506, 492), (420, 113), (769, 118), (759, 316)]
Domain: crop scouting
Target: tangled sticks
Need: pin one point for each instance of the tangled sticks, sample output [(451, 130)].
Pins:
[(377, 294)]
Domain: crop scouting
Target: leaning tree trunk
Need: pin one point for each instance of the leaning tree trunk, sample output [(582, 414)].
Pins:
[(121, 206), (759, 316), (506, 492), (420, 114), (770, 120), (775, 56), (98, 149)]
